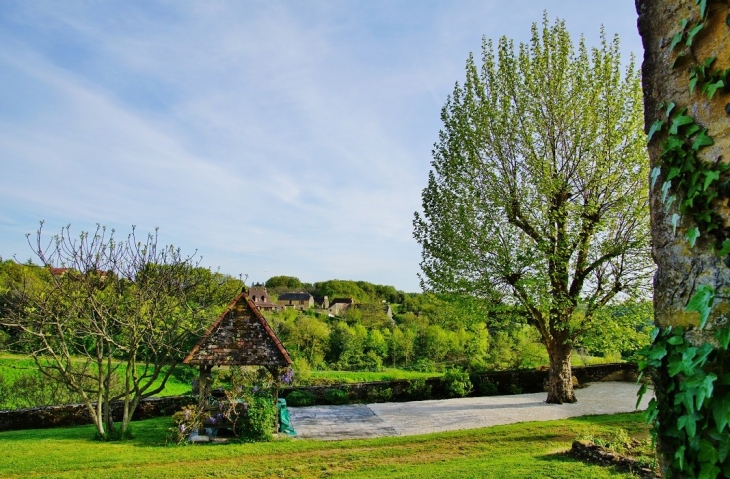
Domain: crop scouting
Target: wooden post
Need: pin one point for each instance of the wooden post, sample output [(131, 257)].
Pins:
[(204, 384)]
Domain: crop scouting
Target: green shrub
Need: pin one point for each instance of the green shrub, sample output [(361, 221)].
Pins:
[(456, 382), (300, 399), (186, 420), (487, 387), (425, 366), (336, 396), (515, 389), (419, 390), (372, 362), (379, 395), (259, 421)]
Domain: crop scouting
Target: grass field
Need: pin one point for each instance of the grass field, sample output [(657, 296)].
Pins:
[(13, 366), (527, 450)]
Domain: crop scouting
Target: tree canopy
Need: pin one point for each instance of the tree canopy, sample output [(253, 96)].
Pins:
[(538, 189)]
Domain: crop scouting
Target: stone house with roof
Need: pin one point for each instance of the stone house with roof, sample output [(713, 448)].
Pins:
[(339, 305), (261, 299), (298, 300)]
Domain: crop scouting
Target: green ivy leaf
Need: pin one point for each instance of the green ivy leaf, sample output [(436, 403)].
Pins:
[(673, 173), (657, 352), (688, 422), (709, 471), (675, 340), (692, 33), (703, 7), (640, 394), (721, 412), (710, 176), (665, 190), (675, 221), (702, 301), (678, 121), (723, 335), (692, 235), (711, 88), (655, 332), (679, 456), (693, 78), (655, 127), (675, 40), (707, 452), (670, 107), (705, 390), (723, 446), (702, 140), (655, 172)]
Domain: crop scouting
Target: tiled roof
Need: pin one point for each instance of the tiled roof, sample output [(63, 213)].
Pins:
[(294, 297), (239, 337)]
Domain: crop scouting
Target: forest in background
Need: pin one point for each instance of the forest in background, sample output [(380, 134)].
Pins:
[(428, 332)]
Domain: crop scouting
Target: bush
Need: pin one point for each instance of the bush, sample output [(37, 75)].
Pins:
[(425, 366), (456, 382), (379, 395), (186, 420), (487, 387), (300, 398), (419, 390), (372, 362), (515, 389), (259, 421), (336, 396)]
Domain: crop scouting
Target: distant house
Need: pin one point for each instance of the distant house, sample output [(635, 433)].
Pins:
[(321, 302), (339, 305), (299, 301), (261, 298)]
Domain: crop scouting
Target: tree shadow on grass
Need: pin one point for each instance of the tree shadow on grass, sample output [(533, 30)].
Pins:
[(147, 433), (565, 458)]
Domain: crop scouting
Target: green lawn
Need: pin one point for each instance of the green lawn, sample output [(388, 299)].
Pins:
[(528, 450), (13, 366)]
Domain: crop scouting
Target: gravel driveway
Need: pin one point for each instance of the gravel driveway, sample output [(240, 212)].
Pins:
[(421, 417)]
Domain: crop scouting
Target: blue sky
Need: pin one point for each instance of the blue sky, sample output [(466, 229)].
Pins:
[(272, 137)]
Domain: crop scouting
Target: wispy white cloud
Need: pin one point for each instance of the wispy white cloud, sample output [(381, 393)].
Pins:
[(274, 137)]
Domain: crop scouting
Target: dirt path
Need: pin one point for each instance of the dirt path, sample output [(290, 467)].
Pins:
[(421, 417)]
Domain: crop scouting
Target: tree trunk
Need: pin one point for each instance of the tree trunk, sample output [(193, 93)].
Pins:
[(560, 381), (681, 268)]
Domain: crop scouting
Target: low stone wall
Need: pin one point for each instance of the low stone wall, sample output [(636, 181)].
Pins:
[(78, 414), (504, 382)]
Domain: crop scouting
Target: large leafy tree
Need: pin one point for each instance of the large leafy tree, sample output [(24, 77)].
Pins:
[(538, 191)]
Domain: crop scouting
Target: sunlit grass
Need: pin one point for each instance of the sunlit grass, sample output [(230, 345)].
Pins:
[(527, 450)]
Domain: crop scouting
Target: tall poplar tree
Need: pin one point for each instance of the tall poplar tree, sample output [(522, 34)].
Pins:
[(538, 190)]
